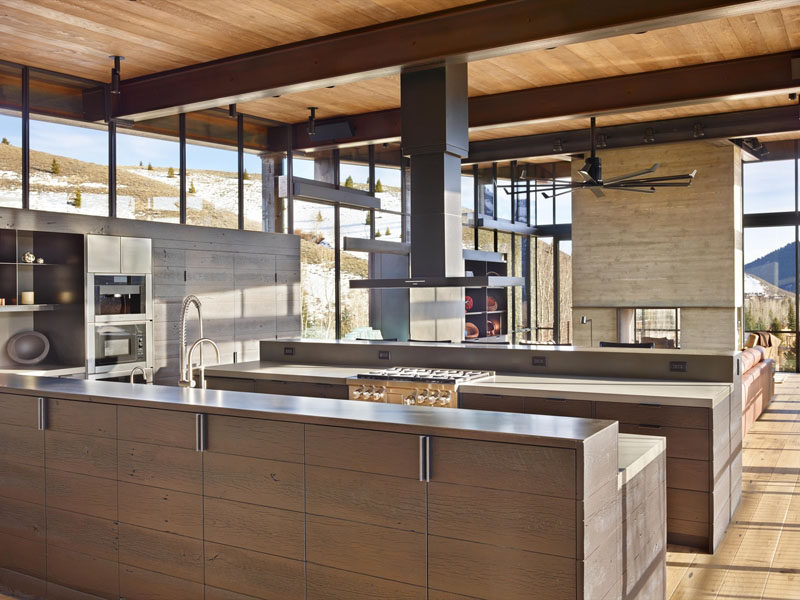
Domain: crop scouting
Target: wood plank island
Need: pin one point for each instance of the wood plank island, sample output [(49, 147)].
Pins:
[(121, 490)]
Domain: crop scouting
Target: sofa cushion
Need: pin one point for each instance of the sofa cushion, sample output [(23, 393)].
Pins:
[(750, 357)]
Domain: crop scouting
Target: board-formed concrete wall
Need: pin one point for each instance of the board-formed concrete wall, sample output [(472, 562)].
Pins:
[(248, 282), (678, 247)]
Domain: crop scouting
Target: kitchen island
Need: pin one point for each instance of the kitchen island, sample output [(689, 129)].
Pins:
[(125, 490)]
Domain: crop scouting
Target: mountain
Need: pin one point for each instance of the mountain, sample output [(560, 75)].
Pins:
[(777, 267)]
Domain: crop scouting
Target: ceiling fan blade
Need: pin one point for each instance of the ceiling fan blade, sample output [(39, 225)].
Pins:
[(549, 196), (632, 189), (587, 178), (629, 175), (598, 191), (688, 176)]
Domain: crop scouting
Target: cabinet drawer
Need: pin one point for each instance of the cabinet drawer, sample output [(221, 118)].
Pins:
[(22, 444), (301, 388), (259, 438), (533, 469), (654, 414), (87, 418), (559, 406), (140, 583), (363, 450), (514, 404), (19, 410), (176, 469), (155, 426), (81, 454), (681, 442), (232, 384)]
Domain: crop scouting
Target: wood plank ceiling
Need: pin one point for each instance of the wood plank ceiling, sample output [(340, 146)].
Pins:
[(76, 37)]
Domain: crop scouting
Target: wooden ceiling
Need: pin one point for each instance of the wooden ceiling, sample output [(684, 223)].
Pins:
[(76, 37), (709, 41)]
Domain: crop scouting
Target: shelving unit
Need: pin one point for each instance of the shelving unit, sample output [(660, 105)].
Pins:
[(57, 286), (489, 310)]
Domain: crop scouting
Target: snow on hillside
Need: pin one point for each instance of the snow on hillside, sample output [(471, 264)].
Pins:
[(755, 286)]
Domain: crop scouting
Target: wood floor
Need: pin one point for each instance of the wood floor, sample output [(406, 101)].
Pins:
[(759, 558)]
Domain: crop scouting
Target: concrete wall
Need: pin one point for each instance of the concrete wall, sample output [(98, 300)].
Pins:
[(678, 247), (249, 282)]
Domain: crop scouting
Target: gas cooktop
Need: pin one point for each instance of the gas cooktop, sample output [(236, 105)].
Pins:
[(421, 375)]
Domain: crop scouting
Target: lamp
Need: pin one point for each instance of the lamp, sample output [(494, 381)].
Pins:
[(584, 321)]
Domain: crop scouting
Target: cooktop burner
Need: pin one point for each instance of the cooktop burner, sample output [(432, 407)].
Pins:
[(426, 375)]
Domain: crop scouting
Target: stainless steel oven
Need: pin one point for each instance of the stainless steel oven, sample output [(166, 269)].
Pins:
[(118, 298), (119, 347)]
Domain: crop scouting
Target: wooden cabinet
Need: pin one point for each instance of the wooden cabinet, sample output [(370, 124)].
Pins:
[(279, 386), (523, 404), (366, 513), (22, 510), (253, 495), (160, 503)]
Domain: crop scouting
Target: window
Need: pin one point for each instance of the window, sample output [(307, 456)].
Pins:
[(354, 265), (148, 177), (314, 223), (212, 186), (10, 136), (565, 291), (770, 257), (661, 326), (544, 290), (69, 168), (768, 186), (253, 217)]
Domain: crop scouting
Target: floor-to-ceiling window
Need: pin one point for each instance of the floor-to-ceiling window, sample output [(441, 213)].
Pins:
[(10, 136), (770, 196)]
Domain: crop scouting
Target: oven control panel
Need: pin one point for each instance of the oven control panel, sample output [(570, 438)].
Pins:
[(408, 393)]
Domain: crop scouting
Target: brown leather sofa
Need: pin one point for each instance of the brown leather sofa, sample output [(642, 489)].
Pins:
[(758, 385)]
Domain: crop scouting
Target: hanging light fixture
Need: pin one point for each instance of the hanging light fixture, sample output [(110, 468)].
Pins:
[(312, 121), (115, 78)]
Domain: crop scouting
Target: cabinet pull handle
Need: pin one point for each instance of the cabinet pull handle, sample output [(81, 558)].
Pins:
[(556, 399), (424, 458), (201, 443), (648, 426), (650, 404), (493, 395), (41, 414)]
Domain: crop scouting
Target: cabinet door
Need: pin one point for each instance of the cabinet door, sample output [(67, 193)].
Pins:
[(496, 402), (560, 407), (102, 253), (232, 384), (81, 472), (501, 520), (160, 504), (136, 255), (253, 507), (22, 519), (301, 388), (366, 521)]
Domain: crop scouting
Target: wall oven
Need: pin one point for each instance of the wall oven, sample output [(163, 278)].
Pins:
[(119, 298), (119, 347)]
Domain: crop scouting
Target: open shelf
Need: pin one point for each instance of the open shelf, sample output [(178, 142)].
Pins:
[(488, 313), (28, 307)]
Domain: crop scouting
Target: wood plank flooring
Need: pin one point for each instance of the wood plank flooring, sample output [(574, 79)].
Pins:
[(759, 558)]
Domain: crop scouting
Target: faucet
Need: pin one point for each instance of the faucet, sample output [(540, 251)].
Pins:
[(202, 367), (133, 374), (185, 378)]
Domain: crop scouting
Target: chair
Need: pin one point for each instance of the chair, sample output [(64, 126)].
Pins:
[(627, 345), (431, 341)]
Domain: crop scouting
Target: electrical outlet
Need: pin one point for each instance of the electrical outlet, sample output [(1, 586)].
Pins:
[(288, 351), (678, 366), (384, 355), (539, 361)]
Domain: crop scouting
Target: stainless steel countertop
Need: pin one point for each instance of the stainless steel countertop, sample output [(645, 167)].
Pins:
[(666, 392), (565, 432)]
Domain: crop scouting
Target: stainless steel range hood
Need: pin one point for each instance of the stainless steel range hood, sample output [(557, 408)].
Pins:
[(437, 282)]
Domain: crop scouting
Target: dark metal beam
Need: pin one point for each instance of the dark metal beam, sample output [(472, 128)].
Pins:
[(719, 126), (472, 32), (747, 77)]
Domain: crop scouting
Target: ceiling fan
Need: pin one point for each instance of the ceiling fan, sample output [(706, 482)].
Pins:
[(592, 175)]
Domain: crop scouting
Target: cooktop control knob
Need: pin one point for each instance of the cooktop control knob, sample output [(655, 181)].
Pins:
[(410, 399), (357, 392)]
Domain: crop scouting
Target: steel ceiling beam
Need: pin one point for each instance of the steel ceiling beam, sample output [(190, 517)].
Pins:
[(682, 86), (471, 32), (718, 126)]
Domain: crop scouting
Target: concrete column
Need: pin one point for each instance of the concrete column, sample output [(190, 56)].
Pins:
[(271, 203)]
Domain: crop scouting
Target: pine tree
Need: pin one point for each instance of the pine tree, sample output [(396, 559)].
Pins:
[(191, 188), (378, 186), (149, 166), (791, 322), (140, 164), (170, 172), (5, 142), (377, 234), (775, 325), (367, 220), (349, 182), (76, 198), (55, 168), (388, 233), (245, 175)]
